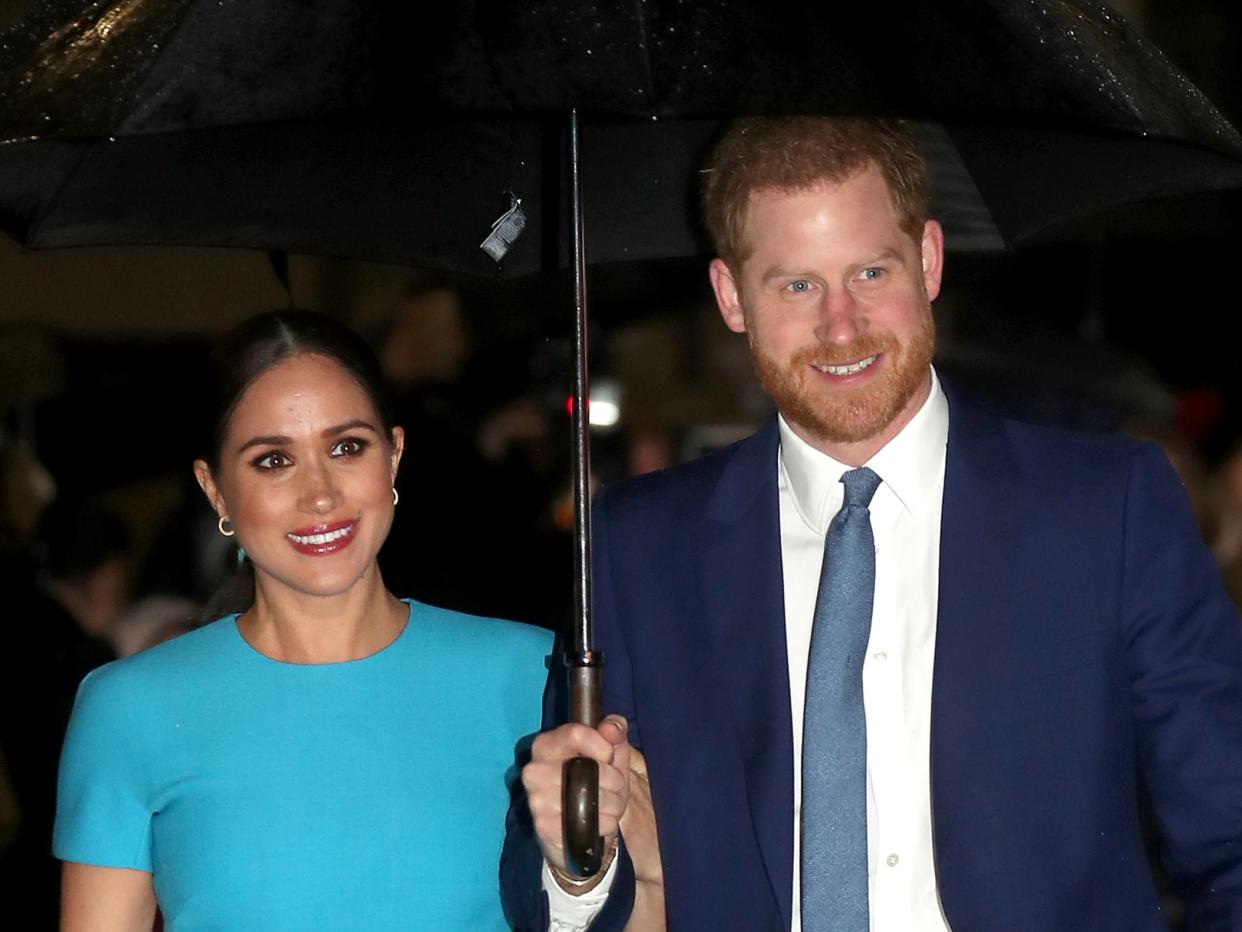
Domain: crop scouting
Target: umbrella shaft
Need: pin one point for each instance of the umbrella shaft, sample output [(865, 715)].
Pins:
[(586, 689), (582, 637)]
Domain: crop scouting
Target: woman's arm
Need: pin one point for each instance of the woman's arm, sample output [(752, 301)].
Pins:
[(106, 899)]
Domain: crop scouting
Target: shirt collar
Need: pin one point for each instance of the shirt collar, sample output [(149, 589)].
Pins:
[(911, 465)]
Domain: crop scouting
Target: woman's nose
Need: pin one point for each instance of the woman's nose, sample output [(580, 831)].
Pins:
[(320, 494)]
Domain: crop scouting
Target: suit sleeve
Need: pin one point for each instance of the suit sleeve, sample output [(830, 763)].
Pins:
[(1184, 652), (521, 862)]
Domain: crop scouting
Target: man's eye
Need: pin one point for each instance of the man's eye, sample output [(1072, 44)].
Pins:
[(871, 274), (348, 447), (799, 286), (272, 461)]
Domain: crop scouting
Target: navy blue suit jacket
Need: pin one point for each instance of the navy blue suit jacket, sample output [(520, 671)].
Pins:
[(1085, 652)]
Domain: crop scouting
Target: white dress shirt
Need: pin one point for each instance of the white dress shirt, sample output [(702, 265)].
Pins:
[(897, 673)]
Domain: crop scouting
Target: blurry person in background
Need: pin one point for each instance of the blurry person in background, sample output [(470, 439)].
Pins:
[(82, 554), (479, 483), (324, 755), (1226, 497), (1221, 491), (56, 633), (152, 620), (26, 489), (425, 346), (31, 372), (427, 341)]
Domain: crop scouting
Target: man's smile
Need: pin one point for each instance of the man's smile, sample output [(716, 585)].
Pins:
[(852, 368)]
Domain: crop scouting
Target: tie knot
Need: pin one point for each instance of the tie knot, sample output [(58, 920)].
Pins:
[(860, 485)]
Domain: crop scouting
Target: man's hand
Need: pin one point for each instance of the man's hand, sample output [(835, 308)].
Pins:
[(607, 745)]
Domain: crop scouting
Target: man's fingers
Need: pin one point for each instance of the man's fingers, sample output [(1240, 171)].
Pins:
[(614, 729), (560, 744), (543, 782), (545, 790), (601, 744)]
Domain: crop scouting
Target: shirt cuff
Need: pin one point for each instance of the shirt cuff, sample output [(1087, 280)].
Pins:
[(569, 913)]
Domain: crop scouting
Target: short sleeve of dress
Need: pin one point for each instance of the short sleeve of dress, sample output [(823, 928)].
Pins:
[(102, 812)]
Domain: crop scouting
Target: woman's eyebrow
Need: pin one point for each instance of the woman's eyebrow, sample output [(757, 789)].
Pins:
[(269, 440), (276, 440), (349, 425)]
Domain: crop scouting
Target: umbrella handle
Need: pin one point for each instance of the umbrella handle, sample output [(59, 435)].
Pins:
[(584, 848)]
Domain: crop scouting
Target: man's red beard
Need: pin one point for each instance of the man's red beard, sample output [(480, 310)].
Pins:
[(849, 414)]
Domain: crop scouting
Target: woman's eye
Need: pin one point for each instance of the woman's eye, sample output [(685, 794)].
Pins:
[(272, 460), (348, 447)]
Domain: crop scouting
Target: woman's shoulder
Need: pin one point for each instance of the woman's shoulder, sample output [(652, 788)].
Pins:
[(134, 695), (194, 653), (456, 629), (501, 664)]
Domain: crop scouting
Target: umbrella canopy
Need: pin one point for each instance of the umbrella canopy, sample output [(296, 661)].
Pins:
[(379, 131)]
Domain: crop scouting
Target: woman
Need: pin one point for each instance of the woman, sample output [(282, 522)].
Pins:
[(331, 757)]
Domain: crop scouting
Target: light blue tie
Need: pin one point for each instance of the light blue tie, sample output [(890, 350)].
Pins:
[(834, 731)]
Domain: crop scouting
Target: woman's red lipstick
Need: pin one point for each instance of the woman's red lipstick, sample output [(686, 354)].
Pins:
[(322, 539)]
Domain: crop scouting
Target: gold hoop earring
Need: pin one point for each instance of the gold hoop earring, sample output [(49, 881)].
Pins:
[(395, 497), (225, 526)]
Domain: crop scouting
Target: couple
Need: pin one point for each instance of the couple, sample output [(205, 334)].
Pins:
[(1038, 636)]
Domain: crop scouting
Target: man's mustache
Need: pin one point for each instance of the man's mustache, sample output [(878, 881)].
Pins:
[(824, 354)]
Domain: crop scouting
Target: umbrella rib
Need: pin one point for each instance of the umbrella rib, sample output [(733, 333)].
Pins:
[(43, 216), (644, 36), (169, 41)]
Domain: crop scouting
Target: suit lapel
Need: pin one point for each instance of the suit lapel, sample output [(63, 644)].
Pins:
[(981, 523), (738, 569)]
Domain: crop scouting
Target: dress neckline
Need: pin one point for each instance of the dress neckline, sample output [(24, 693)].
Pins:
[(333, 664)]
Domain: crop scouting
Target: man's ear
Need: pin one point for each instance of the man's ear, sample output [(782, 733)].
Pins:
[(728, 295), (202, 472), (932, 248)]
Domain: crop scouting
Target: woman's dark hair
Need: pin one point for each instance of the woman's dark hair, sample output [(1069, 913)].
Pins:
[(262, 341), (248, 351)]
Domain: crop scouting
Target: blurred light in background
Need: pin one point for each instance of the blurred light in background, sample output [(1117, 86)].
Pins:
[(604, 404)]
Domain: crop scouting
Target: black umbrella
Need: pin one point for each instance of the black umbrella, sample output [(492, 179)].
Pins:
[(379, 131), (384, 131)]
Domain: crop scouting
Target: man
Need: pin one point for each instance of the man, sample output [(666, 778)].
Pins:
[(1045, 635)]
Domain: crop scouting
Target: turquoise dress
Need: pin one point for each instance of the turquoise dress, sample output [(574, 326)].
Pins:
[(365, 795)]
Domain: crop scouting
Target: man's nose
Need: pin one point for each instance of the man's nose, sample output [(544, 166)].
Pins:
[(840, 318)]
